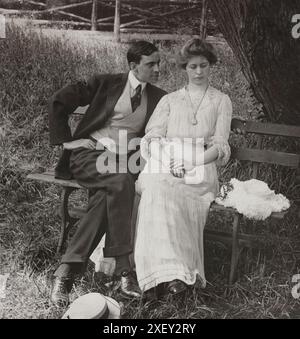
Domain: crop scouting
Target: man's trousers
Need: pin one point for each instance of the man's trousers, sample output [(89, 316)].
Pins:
[(111, 197)]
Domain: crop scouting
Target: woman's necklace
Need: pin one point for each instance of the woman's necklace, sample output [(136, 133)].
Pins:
[(194, 111)]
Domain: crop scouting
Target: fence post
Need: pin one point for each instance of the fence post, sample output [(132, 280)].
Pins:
[(203, 23), (117, 21), (2, 27), (94, 15)]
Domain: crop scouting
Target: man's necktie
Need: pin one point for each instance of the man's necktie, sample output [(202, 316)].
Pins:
[(136, 99)]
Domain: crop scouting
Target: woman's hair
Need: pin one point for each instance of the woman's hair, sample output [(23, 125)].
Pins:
[(196, 47)]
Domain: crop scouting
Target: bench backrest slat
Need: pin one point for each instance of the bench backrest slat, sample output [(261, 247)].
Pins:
[(266, 128), (266, 156)]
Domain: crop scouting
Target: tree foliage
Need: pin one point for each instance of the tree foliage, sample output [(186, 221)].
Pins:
[(260, 34)]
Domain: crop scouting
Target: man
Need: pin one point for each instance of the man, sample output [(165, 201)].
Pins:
[(117, 102)]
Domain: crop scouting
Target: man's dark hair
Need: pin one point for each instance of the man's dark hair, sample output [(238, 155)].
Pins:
[(139, 48)]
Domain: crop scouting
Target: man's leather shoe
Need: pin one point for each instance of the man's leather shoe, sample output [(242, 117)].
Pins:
[(127, 284), (61, 287)]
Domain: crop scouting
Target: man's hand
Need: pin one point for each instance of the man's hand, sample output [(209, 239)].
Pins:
[(177, 168), (85, 143)]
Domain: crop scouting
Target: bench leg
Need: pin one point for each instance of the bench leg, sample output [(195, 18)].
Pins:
[(235, 248), (66, 220)]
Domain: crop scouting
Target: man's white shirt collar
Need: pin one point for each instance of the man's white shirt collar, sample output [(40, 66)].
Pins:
[(134, 82)]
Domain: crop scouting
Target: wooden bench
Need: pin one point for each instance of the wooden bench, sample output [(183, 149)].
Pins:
[(68, 218), (255, 156)]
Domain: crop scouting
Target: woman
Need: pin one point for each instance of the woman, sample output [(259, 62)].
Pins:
[(175, 203)]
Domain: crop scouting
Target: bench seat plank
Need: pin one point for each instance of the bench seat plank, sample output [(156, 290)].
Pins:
[(49, 177), (220, 208)]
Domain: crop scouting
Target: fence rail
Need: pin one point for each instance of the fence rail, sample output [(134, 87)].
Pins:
[(147, 19)]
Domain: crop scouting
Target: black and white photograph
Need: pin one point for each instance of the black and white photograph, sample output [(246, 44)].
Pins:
[(149, 162)]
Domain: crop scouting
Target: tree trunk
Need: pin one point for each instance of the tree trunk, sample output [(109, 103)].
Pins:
[(260, 35)]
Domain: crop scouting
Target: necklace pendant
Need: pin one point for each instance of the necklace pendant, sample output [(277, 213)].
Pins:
[(194, 121)]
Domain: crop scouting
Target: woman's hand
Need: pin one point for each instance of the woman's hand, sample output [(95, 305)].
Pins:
[(177, 168), (145, 148), (85, 143)]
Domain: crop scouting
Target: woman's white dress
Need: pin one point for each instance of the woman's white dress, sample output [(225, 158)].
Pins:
[(172, 214)]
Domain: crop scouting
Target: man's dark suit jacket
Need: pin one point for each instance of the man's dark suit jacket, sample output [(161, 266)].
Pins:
[(101, 93)]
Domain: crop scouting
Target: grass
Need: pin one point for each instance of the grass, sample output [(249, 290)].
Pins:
[(32, 68)]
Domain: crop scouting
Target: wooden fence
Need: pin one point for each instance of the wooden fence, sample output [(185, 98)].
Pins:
[(148, 14)]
